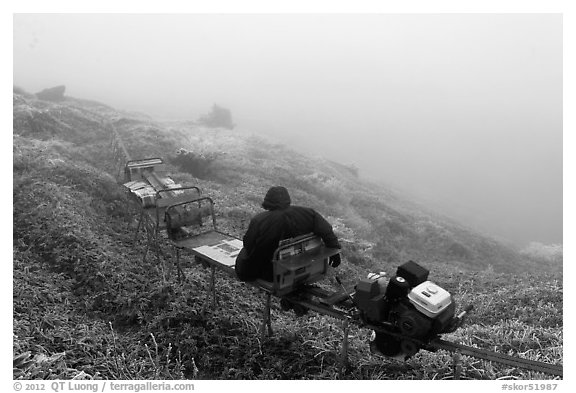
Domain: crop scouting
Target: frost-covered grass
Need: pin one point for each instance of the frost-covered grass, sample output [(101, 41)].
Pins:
[(87, 306)]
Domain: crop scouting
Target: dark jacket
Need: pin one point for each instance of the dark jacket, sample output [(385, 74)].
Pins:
[(267, 229)]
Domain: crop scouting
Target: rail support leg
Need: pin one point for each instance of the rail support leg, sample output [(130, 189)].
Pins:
[(181, 276), (161, 258), (159, 261), (456, 364), (213, 286), (148, 244), (344, 352), (211, 291), (266, 321), (138, 227)]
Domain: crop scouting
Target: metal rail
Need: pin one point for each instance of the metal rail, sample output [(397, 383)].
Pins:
[(514, 361), (479, 353), (435, 344)]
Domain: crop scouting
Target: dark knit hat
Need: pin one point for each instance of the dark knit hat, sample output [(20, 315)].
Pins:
[(276, 198)]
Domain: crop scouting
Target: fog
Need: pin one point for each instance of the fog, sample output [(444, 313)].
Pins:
[(462, 112)]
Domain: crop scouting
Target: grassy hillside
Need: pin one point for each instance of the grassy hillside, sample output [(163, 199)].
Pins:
[(87, 306)]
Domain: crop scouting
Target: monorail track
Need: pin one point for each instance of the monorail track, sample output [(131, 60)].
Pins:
[(514, 361), (334, 304), (437, 344)]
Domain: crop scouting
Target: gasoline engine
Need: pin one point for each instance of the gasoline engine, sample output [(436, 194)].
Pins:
[(406, 311)]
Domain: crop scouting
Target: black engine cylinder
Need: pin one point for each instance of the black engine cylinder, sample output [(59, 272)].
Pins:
[(397, 288)]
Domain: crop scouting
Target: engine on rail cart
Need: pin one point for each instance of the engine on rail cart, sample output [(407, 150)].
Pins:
[(405, 310)]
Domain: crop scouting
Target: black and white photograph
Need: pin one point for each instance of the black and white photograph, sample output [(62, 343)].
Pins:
[(285, 196)]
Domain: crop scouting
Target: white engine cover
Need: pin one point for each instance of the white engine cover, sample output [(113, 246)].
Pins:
[(429, 298)]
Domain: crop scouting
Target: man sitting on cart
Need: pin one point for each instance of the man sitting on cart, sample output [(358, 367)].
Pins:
[(280, 221)]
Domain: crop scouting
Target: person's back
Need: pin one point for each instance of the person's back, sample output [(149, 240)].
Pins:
[(280, 221)]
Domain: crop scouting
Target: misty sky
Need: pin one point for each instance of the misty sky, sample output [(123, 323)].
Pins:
[(463, 111)]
